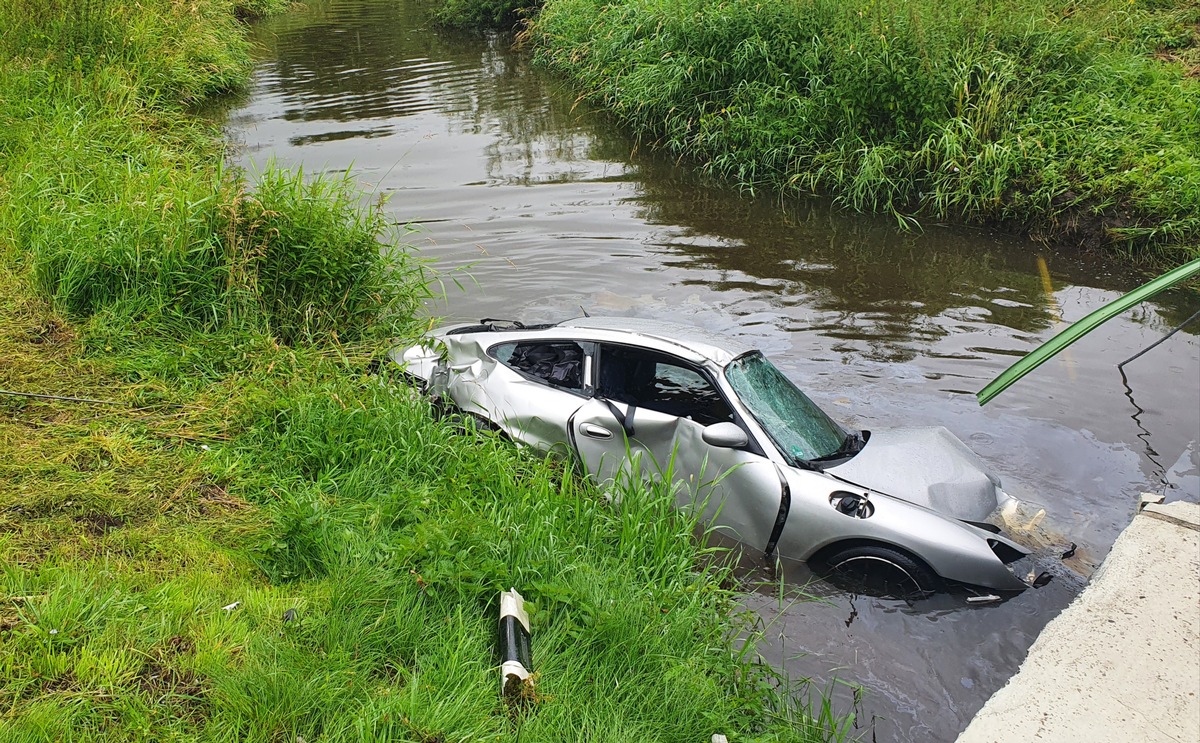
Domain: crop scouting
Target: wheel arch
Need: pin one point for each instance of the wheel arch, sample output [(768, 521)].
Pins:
[(838, 545)]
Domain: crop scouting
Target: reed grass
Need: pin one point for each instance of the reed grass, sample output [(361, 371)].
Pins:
[(172, 52), (250, 538), (484, 14), (116, 206), (1075, 122)]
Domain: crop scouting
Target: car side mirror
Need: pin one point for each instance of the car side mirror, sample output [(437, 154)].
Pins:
[(725, 435)]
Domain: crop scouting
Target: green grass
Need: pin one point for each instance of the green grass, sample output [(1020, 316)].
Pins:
[(292, 481), (246, 465), (480, 14), (116, 205), (170, 53), (1074, 122)]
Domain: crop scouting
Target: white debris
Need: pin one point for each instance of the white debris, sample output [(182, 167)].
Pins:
[(1037, 519), (988, 599)]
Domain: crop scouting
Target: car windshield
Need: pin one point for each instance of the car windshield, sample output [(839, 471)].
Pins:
[(798, 427)]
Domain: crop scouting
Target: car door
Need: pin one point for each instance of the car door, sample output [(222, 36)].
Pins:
[(646, 420), (535, 388)]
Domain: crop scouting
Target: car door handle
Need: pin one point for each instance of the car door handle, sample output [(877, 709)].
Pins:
[(461, 367), (595, 432)]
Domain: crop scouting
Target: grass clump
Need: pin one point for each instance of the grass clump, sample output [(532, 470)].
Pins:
[(171, 52), (481, 14), (244, 536), (115, 205), (1074, 122)]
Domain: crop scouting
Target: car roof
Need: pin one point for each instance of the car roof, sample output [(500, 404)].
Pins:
[(686, 340)]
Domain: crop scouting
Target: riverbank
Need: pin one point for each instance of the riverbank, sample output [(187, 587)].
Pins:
[(1121, 662), (232, 531), (1075, 124)]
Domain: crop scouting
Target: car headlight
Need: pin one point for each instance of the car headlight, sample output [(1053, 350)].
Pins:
[(1006, 552)]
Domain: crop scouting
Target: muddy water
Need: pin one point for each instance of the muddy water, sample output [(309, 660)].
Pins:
[(533, 207)]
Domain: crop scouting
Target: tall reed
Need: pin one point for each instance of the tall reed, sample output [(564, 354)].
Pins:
[(116, 198)]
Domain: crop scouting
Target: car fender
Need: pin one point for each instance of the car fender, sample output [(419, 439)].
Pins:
[(952, 549), (466, 369), (424, 359), (419, 361)]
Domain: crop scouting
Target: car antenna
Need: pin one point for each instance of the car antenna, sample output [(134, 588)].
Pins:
[(585, 312)]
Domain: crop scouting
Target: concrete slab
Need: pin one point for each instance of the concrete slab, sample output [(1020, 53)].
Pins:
[(1122, 662)]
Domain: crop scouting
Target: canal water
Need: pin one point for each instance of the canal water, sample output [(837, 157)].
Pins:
[(533, 206)]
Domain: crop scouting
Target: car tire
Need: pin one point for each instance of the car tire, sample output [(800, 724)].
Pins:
[(485, 425), (861, 559), (466, 422), (417, 383)]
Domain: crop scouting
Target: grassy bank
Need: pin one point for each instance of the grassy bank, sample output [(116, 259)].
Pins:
[(1075, 122), (244, 536), (287, 482)]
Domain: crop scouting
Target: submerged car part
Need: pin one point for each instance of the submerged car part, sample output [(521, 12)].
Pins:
[(881, 571), (750, 453)]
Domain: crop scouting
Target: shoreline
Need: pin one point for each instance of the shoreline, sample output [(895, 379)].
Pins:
[(1017, 118), (1120, 662)]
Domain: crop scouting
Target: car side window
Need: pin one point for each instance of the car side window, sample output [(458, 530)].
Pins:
[(658, 381), (556, 363)]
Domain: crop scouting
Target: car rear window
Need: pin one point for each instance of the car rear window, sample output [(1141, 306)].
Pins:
[(556, 363)]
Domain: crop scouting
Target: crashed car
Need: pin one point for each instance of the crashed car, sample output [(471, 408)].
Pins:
[(764, 464)]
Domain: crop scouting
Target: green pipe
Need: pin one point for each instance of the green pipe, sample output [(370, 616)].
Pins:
[(1080, 328)]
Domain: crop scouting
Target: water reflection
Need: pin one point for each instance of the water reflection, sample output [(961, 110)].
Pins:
[(896, 291), (340, 63)]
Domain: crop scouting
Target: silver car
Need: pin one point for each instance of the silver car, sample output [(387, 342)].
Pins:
[(633, 398)]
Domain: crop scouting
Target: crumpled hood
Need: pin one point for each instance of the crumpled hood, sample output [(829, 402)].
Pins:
[(930, 467)]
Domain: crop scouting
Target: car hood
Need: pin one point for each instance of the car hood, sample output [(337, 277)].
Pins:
[(930, 467)]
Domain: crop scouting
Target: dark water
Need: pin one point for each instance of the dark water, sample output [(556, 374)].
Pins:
[(532, 207)]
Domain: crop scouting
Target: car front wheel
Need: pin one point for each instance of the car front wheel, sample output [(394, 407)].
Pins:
[(882, 570)]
